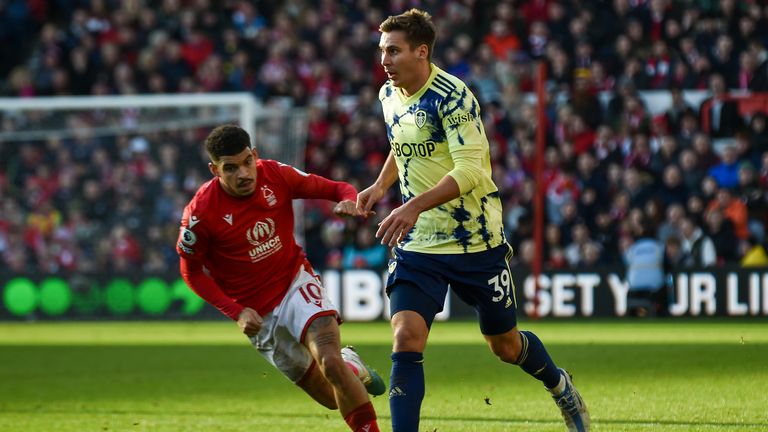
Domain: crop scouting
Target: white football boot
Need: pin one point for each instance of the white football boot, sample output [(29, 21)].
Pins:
[(571, 405), (369, 377)]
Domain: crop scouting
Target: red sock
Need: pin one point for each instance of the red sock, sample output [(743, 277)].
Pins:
[(362, 419)]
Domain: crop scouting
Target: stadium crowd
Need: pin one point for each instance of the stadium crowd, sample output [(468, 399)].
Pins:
[(90, 203)]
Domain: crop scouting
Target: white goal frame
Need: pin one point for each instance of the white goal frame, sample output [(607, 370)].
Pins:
[(252, 114)]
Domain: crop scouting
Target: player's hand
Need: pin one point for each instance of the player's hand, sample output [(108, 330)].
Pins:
[(250, 322), (348, 208), (367, 198), (395, 227)]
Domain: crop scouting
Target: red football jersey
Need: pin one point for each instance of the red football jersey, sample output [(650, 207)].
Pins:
[(247, 243)]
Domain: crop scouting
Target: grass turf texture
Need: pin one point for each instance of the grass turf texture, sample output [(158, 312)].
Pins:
[(634, 375)]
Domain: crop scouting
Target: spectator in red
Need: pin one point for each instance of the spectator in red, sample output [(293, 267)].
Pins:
[(658, 66), (755, 198), (125, 253), (640, 154), (733, 209), (535, 10), (196, 48), (745, 77), (658, 12), (599, 77), (502, 40), (583, 137)]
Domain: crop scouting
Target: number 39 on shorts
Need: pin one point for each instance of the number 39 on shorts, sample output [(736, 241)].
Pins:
[(502, 285)]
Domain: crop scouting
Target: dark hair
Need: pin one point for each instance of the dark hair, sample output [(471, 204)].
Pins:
[(226, 140), (417, 25), (646, 229), (673, 240)]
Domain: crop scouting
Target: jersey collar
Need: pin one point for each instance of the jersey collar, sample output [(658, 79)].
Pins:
[(414, 97)]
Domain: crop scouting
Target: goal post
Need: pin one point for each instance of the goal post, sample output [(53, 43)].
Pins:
[(279, 132)]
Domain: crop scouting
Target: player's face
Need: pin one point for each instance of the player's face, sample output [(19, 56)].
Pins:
[(237, 173), (401, 63)]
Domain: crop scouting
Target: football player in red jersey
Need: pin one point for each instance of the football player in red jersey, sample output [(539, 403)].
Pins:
[(239, 254)]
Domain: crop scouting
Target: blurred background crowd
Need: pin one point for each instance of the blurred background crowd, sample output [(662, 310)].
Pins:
[(693, 177)]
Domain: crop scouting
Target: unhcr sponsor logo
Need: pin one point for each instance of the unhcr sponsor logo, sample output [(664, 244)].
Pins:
[(265, 249), (262, 235)]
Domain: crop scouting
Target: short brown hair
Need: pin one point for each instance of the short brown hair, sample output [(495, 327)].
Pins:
[(417, 25), (226, 140)]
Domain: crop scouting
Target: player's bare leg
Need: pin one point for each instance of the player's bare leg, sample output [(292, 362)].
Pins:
[(505, 346), (526, 350), (322, 340), (318, 387)]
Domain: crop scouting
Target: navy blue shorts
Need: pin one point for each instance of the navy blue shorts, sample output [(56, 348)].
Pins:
[(419, 282)]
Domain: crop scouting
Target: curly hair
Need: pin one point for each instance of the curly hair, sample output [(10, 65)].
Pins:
[(226, 140)]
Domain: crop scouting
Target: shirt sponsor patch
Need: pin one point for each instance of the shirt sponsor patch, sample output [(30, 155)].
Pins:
[(188, 237), (459, 118), (186, 250)]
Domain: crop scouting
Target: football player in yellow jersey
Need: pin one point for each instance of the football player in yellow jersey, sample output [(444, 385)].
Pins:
[(449, 228)]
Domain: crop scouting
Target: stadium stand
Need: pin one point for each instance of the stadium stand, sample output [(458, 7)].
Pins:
[(613, 161)]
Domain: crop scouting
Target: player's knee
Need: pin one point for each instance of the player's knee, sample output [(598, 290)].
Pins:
[(507, 348), (408, 338), (505, 352)]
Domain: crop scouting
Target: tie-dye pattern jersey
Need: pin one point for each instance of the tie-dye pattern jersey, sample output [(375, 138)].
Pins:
[(437, 132)]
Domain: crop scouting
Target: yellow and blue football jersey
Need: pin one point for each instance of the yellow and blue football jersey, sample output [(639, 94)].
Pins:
[(436, 132)]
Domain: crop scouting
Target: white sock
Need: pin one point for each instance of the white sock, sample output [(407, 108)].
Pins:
[(559, 388)]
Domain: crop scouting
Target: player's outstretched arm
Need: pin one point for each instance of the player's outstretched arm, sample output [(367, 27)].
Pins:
[(348, 208), (372, 194)]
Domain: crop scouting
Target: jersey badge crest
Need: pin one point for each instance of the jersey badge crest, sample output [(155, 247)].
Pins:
[(421, 118), (392, 265), (269, 196)]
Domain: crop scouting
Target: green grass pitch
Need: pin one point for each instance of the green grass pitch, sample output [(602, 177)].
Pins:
[(187, 376)]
